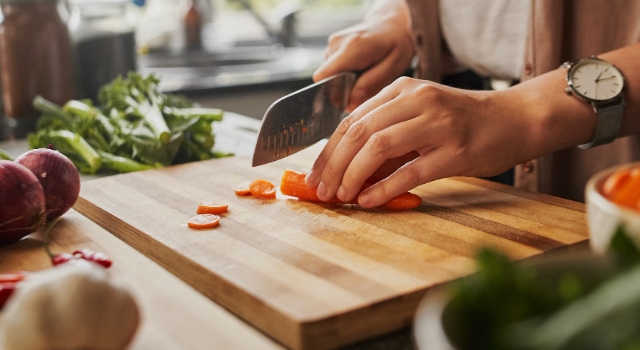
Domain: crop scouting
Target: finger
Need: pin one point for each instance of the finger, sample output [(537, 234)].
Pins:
[(390, 166), (394, 141), (357, 135), (313, 177), (345, 58), (375, 78), (431, 166)]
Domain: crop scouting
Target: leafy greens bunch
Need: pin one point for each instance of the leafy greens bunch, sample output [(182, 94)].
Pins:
[(135, 127)]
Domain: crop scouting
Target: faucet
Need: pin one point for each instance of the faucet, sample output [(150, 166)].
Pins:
[(285, 13)]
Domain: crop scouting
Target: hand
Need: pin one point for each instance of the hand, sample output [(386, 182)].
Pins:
[(437, 131), (381, 47)]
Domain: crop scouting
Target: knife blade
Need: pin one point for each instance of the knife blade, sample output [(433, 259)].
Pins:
[(302, 118)]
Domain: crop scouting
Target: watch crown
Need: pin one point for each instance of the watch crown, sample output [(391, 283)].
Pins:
[(567, 90)]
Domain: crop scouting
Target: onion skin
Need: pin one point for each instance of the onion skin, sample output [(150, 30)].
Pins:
[(58, 176), (22, 203)]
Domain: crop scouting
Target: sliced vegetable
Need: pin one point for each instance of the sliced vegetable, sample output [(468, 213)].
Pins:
[(262, 189), (293, 184), (623, 187), (203, 221), (212, 208), (404, 201), (243, 189), (615, 182)]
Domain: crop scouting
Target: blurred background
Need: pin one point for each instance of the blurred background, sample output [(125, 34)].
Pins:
[(238, 55)]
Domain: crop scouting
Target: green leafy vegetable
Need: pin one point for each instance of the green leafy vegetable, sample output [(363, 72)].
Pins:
[(4, 155), (506, 305), (136, 127), (623, 250)]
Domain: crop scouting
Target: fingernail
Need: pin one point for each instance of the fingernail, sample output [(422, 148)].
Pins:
[(311, 180), (322, 190), (342, 194), (364, 200)]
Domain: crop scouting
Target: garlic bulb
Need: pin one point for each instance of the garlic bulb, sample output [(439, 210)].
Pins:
[(69, 307)]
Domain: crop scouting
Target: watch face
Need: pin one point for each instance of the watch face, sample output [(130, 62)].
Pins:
[(595, 80)]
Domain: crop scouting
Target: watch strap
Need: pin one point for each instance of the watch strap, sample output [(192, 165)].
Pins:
[(609, 120)]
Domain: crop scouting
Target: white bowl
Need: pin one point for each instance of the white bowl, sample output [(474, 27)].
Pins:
[(604, 216)]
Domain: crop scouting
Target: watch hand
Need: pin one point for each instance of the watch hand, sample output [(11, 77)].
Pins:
[(613, 76), (599, 75)]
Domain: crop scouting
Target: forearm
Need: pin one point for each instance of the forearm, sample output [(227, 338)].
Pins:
[(559, 120)]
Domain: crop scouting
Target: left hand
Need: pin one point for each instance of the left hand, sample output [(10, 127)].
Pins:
[(437, 132)]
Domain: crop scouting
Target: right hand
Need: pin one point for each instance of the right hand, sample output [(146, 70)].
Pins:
[(381, 47)]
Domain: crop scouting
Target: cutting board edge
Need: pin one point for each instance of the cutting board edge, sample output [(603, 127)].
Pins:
[(396, 312)]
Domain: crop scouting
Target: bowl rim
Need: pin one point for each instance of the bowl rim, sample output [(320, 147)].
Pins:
[(593, 192)]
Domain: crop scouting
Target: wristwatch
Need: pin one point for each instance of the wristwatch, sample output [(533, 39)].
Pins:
[(600, 83)]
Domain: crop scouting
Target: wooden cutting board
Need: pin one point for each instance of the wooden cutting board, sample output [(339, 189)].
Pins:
[(317, 276), (174, 315)]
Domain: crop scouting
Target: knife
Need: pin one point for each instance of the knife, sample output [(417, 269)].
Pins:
[(302, 118)]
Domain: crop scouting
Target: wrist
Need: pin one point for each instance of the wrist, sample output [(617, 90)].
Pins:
[(555, 120)]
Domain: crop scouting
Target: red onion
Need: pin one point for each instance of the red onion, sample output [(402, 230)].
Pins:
[(59, 178), (22, 204)]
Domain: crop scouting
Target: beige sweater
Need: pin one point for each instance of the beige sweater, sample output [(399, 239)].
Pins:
[(558, 31)]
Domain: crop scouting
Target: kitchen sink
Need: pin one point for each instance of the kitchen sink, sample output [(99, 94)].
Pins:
[(238, 66)]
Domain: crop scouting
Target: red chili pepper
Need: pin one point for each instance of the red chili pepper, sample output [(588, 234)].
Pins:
[(61, 258), (8, 283), (96, 257), (12, 277), (6, 290), (84, 254)]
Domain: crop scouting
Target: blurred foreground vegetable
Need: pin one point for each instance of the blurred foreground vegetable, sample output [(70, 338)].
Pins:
[(136, 127), (511, 306), (73, 306)]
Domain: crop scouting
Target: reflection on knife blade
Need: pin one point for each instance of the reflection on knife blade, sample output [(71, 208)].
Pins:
[(302, 118)]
